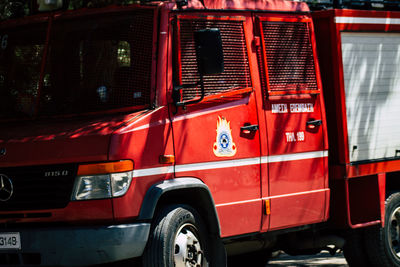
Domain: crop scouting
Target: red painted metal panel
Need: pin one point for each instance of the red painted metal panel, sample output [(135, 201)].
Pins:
[(382, 196), (365, 26), (329, 51), (231, 185), (143, 139), (301, 190), (163, 62), (126, 208), (298, 184), (292, 177), (61, 141), (295, 210), (239, 218), (288, 131), (371, 168)]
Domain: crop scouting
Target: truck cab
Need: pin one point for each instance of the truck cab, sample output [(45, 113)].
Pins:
[(176, 132)]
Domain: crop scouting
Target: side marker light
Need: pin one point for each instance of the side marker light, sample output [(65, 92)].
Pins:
[(167, 159), (267, 205)]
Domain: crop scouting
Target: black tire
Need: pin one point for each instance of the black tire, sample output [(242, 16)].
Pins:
[(383, 244), (255, 259), (177, 229), (354, 249)]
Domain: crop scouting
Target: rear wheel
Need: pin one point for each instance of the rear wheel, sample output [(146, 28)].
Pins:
[(178, 239), (383, 244)]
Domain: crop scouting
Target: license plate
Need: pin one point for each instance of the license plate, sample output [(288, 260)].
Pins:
[(10, 241)]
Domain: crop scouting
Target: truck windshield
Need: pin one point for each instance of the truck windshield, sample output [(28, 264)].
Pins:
[(83, 65)]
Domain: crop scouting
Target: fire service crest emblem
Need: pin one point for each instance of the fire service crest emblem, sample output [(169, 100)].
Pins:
[(224, 145)]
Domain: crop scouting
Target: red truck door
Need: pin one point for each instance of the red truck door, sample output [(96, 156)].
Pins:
[(297, 160), (217, 140)]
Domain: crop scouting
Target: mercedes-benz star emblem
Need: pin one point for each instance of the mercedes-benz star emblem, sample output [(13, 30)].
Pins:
[(3, 151), (6, 188)]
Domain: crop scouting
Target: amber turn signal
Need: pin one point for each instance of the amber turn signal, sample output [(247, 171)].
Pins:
[(167, 159), (103, 168), (267, 205)]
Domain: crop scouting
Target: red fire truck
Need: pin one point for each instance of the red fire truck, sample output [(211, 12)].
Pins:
[(195, 133)]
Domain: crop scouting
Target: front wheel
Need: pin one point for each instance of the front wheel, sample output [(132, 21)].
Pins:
[(383, 244), (178, 239)]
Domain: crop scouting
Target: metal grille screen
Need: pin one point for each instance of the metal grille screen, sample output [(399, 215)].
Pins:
[(236, 73), (20, 65), (105, 64), (290, 58), (92, 64)]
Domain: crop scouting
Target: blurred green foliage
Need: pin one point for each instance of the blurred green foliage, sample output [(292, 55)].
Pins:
[(18, 8), (75, 4), (13, 9)]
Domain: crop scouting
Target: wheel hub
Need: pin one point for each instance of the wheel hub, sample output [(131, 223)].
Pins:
[(188, 251)]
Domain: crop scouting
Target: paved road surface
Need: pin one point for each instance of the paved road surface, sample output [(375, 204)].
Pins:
[(323, 259)]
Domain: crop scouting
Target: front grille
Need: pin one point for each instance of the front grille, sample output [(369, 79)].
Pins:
[(290, 57), (38, 188), (236, 73)]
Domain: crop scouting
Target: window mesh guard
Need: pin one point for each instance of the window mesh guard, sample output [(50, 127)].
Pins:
[(91, 65), (236, 73), (289, 56)]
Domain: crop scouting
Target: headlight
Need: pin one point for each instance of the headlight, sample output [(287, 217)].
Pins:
[(120, 183), (108, 184)]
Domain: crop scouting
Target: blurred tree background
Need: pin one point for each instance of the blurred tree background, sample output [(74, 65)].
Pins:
[(18, 8)]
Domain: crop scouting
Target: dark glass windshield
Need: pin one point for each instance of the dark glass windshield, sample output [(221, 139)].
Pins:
[(21, 52), (90, 65)]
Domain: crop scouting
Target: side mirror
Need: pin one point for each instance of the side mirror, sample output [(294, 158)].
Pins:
[(210, 60), (210, 56)]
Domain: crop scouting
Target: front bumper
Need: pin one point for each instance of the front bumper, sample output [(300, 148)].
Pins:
[(77, 246)]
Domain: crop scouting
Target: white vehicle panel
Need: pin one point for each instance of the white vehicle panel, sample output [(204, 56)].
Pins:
[(371, 69)]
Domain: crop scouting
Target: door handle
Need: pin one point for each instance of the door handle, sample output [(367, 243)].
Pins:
[(313, 124), (249, 128)]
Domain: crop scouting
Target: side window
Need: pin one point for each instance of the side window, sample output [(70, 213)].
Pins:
[(288, 57), (236, 73)]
